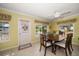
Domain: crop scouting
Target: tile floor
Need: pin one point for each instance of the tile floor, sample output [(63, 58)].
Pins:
[(34, 51)]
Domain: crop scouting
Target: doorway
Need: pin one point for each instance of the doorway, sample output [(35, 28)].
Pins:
[(24, 34)]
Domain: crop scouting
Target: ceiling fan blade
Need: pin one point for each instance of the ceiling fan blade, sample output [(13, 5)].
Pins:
[(61, 15), (57, 17), (65, 13)]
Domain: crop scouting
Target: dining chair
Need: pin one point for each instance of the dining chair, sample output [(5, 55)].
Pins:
[(66, 44), (53, 38), (44, 42)]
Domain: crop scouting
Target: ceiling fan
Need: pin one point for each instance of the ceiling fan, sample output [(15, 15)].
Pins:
[(58, 15)]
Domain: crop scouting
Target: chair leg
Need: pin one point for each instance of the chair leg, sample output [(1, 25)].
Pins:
[(66, 52), (40, 47), (71, 47), (55, 50), (45, 51), (70, 52), (53, 47)]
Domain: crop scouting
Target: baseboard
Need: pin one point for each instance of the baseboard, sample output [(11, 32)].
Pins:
[(8, 48)]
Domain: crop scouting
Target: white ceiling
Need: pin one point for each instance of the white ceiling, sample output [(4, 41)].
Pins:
[(43, 10)]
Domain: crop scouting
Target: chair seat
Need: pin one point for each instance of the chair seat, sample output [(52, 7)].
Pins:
[(61, 43), (48, 44)]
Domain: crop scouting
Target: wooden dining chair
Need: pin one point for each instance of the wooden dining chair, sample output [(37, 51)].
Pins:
[(53, 38), (44, 42), (66, 44)]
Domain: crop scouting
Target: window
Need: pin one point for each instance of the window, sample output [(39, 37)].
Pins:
[(69, 27), (40, 29), (4, 31), (66, 28)]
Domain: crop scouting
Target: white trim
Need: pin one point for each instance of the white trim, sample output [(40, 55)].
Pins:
[(8, 48)]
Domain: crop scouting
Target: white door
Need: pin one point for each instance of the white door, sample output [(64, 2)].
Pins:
[(24, 28)]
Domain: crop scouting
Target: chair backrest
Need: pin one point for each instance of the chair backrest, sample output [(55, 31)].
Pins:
[(69, 39), (42, 38), (53, 37), (49, 36), (56, 37)]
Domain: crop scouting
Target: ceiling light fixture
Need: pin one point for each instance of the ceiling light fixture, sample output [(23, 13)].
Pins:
[(57, 14), (60, 14)]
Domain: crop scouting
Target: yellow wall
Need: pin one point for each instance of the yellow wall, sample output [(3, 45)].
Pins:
[(14, 28), (54, 27)]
